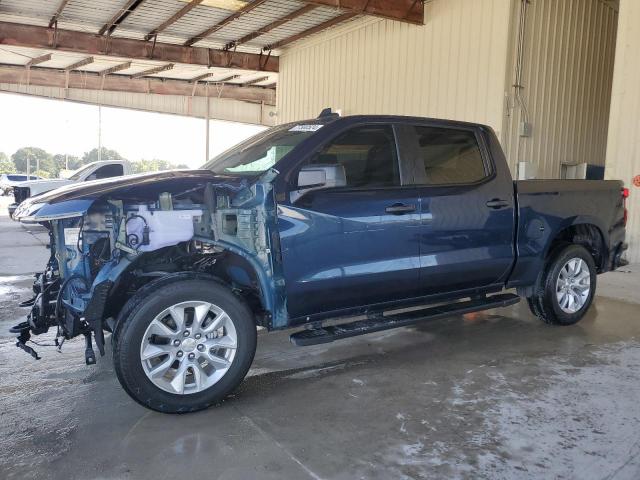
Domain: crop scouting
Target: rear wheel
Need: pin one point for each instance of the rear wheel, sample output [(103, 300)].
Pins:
[(183, 346), (566, 288)]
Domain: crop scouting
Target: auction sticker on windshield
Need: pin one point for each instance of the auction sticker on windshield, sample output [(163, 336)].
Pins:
[(306, 128)]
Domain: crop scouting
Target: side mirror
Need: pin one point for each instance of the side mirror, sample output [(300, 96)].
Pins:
[(314, 177)]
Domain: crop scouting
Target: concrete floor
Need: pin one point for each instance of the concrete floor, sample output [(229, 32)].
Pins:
[(492, 395)]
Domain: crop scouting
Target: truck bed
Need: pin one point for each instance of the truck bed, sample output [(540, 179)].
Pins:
[(546, 207)]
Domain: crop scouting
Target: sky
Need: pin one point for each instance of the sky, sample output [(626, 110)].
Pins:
[(66, 127)]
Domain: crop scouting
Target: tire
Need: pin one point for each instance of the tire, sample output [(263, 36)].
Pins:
[(558, 301), (150, 323)]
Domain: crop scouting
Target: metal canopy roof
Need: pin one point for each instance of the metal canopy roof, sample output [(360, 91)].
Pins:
[(204, 23), (230, 42)]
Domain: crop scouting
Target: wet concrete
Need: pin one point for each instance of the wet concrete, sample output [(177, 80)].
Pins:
[(492, 395)]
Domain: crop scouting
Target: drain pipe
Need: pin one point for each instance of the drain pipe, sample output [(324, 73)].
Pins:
[(518, 87)]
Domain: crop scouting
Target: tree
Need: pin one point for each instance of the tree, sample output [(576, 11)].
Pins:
[(32, 155), (154, 165), (62, 161), (42, 173), (107, 154), (6, 165)]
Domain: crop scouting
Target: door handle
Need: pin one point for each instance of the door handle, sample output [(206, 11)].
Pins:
[(497, 203), (400, 209)]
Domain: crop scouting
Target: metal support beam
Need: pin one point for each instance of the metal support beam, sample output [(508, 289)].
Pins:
[(271, 26), (38, 60), (81, 63), (69, 68), (151, 71), (226, 79), (202, 77), (174, 18), (310, 31), (115, 68), (408, 11), (246, 9), (121, 83), (254, 81), (119, 17), (56, 15), (220, 80), (91, 44)]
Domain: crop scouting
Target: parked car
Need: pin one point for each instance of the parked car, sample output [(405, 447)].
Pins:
[(91, 171), (10, 180), (303, 223)]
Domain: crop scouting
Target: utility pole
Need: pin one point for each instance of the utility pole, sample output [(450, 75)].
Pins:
[(206, 122), (28, 166)]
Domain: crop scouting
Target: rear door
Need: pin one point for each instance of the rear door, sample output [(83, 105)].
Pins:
[(354, 244), (467, 209)]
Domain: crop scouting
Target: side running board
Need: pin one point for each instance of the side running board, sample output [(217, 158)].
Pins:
[(362, 327)]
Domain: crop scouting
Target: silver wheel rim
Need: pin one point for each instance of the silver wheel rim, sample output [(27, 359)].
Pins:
[(188, 347), (573, 285)]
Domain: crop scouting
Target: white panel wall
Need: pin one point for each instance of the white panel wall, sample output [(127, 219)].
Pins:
[(623, 154), (452, 67), (568, 69)]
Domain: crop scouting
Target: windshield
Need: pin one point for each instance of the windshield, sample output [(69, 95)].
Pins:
[(261, 152)]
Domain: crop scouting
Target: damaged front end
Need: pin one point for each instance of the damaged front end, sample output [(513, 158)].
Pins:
[(108, 239)]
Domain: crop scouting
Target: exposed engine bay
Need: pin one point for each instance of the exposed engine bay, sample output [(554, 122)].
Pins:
[(101, 257)]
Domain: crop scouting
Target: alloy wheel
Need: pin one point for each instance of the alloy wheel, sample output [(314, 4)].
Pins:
[(573, 285), (188, 347)]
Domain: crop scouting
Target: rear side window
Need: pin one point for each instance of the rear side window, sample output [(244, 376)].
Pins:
[(449, 156), (368, 155), (19, 178)]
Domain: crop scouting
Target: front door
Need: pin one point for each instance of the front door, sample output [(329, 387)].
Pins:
[(355, 243)]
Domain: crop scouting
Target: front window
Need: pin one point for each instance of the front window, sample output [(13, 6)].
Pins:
[(261, 152), (366, 155)]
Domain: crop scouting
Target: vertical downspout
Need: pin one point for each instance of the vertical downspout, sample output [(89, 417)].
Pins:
[(518, 87)]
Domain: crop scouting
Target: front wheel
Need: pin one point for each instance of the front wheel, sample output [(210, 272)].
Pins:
[(183, 346), (566, 287)]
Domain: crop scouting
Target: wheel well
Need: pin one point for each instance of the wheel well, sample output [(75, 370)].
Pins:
[(587, 235), (222, 266)]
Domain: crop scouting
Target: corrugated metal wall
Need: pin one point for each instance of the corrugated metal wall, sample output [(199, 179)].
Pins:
[(567, 75), (452, 67), (623, 154), (219, 108)]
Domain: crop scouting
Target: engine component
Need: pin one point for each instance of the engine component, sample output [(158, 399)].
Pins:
[(148, 230)]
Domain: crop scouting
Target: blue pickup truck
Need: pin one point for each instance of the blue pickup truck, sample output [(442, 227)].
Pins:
[(351, 218)]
